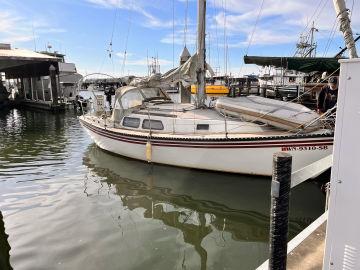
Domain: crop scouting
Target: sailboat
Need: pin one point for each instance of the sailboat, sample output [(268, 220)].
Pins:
[(233, 135)]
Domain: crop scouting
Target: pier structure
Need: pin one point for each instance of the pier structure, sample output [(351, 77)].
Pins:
[(342, 249), (101, 84), (38, 80), (331, 241)]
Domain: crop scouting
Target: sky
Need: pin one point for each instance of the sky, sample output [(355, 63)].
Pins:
[(142, 29)]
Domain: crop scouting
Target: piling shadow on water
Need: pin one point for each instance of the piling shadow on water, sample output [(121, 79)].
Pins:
[(4, 247)]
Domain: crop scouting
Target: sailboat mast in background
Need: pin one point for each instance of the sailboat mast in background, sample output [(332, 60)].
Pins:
[(345, 27)]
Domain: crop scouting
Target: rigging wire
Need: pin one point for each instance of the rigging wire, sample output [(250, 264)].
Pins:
[(290, 101), (333, 30), (217, 40), (313, 18), (254, 29), (352, 8), (110, 50), (209, 48), (110, 46), (102, 63), (331, 37), (252, 33), (186, 22), (173, 32), (225, 38), (126, 44)]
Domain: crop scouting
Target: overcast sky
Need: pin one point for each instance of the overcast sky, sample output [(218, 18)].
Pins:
[(83, 29)]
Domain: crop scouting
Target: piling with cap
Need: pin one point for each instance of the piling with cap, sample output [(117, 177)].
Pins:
[(53, 83), (279, 213)]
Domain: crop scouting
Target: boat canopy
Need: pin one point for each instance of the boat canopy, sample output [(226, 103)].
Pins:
[(306, 65), (129, 97)]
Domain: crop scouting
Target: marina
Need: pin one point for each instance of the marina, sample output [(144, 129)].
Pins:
[(97, 202), (237, 155)]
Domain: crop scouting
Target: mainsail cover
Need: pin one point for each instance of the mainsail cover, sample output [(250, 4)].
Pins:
[(185, 73), (301, 64), (285, 115)]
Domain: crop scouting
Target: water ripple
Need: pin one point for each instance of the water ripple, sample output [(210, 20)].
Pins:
[(68, 205)]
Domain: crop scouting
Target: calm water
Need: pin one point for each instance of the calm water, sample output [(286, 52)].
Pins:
[(66, 204)]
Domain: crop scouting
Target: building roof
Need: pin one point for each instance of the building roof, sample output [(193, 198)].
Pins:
[(185, 55), (24, 55), (16, 62)]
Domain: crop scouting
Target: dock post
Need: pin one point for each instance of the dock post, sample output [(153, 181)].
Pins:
[(53, 82), (279, 213), (32, 88), (248, 86), (298, 93), (185, 93), (42, 88), (263, 91)]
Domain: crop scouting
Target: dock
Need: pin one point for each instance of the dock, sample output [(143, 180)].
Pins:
[(306, 250), (309, 255), (39, 80), (331, 241)]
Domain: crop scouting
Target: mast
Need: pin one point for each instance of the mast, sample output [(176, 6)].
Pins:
[(201, 70), (312, 44), (342, 14)]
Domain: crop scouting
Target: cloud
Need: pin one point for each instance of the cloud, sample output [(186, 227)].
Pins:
[(144, 61), (7, 21), (178, 38), (18, 29), (135, 6), (17, 38), (123, 4), (265, 37), (122, 55), (50, 30), (281, 22)]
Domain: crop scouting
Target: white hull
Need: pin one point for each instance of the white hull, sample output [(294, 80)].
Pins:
[(236, 155)]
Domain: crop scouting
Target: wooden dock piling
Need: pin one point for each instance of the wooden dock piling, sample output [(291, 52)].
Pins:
[(54, 87), (279, 214)]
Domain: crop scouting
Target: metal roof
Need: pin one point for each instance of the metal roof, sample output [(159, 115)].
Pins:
[(25, 55), (18, 57), (309, 64), (19, 63)]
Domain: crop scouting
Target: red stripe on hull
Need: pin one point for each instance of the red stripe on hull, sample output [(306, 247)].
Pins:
[(207, 144)]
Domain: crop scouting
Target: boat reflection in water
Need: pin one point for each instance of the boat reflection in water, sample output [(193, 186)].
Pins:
[(212, 211), (4, 247)]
